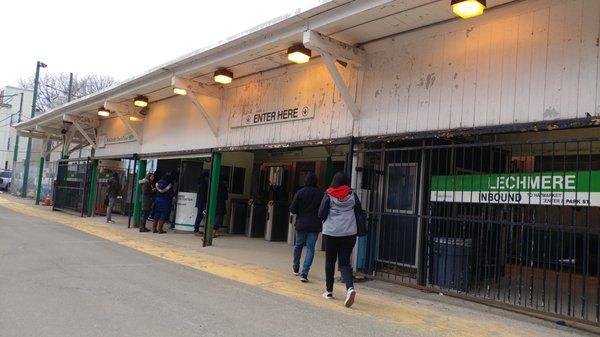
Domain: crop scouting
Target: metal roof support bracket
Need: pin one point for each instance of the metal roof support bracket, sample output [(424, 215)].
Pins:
[(340, 50), (121, 110), (194, 88), (84, 134), (341, 85), (330, 50)]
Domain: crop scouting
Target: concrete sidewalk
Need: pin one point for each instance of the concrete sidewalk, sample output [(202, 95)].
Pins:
[(266, 265)]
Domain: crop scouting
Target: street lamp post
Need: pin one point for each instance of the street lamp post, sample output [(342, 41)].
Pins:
[(33, 108)]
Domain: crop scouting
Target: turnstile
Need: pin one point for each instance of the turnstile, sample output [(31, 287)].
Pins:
[(276, 228), (256, 218), (239, 211)]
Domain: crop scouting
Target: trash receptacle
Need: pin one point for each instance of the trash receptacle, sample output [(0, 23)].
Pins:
[(452, 263)]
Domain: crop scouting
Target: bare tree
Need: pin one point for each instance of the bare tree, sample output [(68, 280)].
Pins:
[(53, 89)]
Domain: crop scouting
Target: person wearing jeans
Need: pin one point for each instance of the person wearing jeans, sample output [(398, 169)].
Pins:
[(305, 205), (337, 211)]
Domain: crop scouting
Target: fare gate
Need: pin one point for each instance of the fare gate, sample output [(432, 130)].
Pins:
[(513, 222)]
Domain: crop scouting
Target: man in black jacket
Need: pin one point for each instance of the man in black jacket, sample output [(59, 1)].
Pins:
[(305, 206)]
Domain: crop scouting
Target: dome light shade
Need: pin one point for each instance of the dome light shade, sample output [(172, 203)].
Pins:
[(103, 112), (140, 101), (468, 8), (223, 76), (179, 91), (298, 54)]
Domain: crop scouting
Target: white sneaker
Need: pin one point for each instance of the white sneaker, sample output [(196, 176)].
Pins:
[(328, 295), (350, 295)]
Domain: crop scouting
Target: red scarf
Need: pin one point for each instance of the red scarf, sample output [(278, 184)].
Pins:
[(339, 192)]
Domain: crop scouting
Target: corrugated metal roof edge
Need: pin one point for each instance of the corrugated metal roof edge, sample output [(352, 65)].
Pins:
[(281, 26)]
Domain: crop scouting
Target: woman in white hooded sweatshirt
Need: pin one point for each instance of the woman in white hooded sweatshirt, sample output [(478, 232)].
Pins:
[(337, 211)]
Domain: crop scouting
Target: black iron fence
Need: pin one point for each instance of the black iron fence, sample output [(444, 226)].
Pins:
[(71, 186), (514, 222)]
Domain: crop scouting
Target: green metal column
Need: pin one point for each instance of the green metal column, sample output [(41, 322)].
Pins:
[(33, 108), (215, 173), (328, 171), (137, 201), (38, 191), (91, 201)]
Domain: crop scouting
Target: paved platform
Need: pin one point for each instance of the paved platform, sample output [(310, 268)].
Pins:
[(264, 266)]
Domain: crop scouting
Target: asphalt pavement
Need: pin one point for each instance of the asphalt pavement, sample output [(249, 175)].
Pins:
[(57, 281)]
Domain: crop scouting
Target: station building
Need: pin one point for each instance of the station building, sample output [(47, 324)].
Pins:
[(472, 143)]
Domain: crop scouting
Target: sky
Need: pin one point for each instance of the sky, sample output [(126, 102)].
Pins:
[(120, 38)]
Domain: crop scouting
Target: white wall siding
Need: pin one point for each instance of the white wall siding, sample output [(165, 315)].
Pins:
[(532, 61), (296, 86)]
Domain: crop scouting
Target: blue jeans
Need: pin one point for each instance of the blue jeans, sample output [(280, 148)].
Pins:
[(308, 239), (199, 217)]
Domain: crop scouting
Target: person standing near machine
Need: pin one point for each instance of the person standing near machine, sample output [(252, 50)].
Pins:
[(112, 192), (148, 191), (338, 211), (305, 205), (163, 203), (201, 198)]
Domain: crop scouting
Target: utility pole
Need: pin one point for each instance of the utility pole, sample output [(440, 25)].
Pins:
[(33, 109), (16, 153)]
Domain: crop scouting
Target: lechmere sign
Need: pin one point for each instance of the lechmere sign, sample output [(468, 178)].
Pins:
[(566, 188), (276, 116)]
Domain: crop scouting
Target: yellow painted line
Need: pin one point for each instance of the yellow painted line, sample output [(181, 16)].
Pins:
[(369, 303)]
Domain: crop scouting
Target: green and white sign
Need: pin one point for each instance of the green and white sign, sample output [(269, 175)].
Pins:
[(540, 188)]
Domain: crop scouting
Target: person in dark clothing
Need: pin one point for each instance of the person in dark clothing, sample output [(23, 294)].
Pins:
[(148, 191), (222, 196), (201, 198), (305, 205), (163, 203), (337, 210), (112, 192)]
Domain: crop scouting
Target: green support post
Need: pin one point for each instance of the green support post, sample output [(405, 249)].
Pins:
[(38, 191), (91, 201), (215, 173), (36, 82), (328, 171), (137, 201)]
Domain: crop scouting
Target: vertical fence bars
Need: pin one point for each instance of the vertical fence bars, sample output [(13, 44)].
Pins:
[(514, 222), (70, 186)]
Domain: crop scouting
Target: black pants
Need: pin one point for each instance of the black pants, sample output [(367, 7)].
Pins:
[(338, 247)]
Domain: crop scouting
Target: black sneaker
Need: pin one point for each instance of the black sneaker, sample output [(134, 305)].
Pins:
[(303, 278), (296, 270)]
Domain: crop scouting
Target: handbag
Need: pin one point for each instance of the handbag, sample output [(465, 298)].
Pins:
[(361, 219)]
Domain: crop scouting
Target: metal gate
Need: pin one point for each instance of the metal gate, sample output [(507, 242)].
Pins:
[(71, 186), (514, 222)]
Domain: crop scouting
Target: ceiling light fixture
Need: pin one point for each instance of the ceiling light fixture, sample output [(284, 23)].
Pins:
[(140, 101), (223, 76), (467, 8), (298, 53), (179, 91), (103, 112)]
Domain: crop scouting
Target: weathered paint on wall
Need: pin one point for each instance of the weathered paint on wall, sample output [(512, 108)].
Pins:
[(526, 62), (532, 61), (307, 85)]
